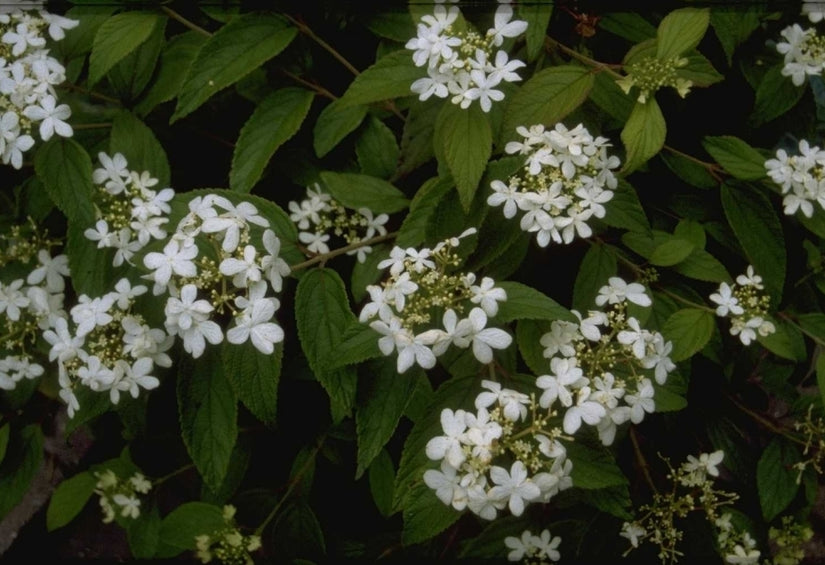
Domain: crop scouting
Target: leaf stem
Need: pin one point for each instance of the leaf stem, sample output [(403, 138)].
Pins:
[(605, 67), (175, 473), (765, 422), (89, 93), (640, 459), (312, 86), (306, 30), (178, 18), (793, 322), (712, 168), (324, 257)]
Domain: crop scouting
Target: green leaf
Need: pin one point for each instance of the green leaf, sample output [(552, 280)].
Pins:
[(23, 458), (757, 227), (670, 252), (381, 477), (179, 527), (5, 432), (377, 150), (297, 532), (276, 119), (385, 400), (689, 171), (68, 499), (547, 97), (390, 77), (733, 27), (129, 77), (131, 137), (813, 323), (736, 157), (426, 516), (358, 343), (680, 31), (66, 171), (692, 231), (322, 314), (392, 24), (254, 377), (628, 25), (417, 136), (643, 134), (609, 97), (776, 478), (362, 191), (702, 266), (689, 329), (235, 50), (699, 71), (786, 342), (524, 302), (467, 140), (598, 265), (537, 17), (593, 468), (775, 95), (528, 336), (208, 414), (625, 211), (117, 37), (667, 398), (238, 466), (79, 40), (423, 207), (613, 500), (174, 63), (143, 533), (334, 123)]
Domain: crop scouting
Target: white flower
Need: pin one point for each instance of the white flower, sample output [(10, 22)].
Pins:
[(91, 313), (514, 403), (176, 258), (254, 323), (12, 299), (243, 271), (504, 27), (565, 374), (706, 463), (487, 295), (446, 484), (50, 117), (136, 376), (617, 290), (727, 302), (272, 265), (130, 505), (485, 340), (633, 532), (51, 269), (515, 487), (188, 318), (448, 446)]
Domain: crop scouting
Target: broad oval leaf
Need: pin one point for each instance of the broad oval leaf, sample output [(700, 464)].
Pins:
[(737, 157), (598, 265), (116, 38), (467, 141), (643, 134), (390, 77), (254, 377), (776, 477), (136, 141), (680, 31), (335, 122), (689, 329), (68, 499), (66, 171), (526, 303), (23, 458), (175, 60), (181, 525), (361, 191)]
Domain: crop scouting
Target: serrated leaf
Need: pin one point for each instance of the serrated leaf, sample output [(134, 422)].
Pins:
[(275, 120), (628, 25), (467, 141), (208, 414), (537, 17), (733, 27), (334, 123), (179, 528), (19, 467), (129, 77), (736, 157), (68, 499), (358, 343), (361, 191), (235, 50), (423, 206), (670, 252), (528, 337), (174, 63), (297, 532), (593, 468), (417, 136), (322, 314), (392, 24), (143, 533), (117, 37), (92, 271), (775, 95), (390, 77), (689, 171), (786, 342), (613, 500), (643, 134), (776, 478), (598, 265), (377, 150), (689, 329), (609, 97), (757, 227), (254, 377), (702, 266), (625, 211), (813, 323), (524, 302), (66, 171), (136, 141), (381, 476), (385, 400), (547, 97), (426, 516), (692, 231), (680, 31), (699, 71)]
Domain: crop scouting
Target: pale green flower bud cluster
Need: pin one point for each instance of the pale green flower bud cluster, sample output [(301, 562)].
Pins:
[(566, 179), (813, 430), (692, 491), (651, 73), (28, 75), (131, 213), (505, 455), (533, 550), (462, 63), (422, 288), (746, 306), (804, 51), (800, 177), (29, 304), (119, 497), (319, 217), (787, 542), (601, 366), (227, 545)]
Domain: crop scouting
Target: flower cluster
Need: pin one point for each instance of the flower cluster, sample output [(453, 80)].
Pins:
[(227, 545), (108, 347), (462, 63), (812, 429), (28, 75), (119, 497), (29, 304), (692, 490), (211, 266), (473, 442), (566, 178), (420, 287), (800, 178), (534, 550), (650, 74), (788, 541), (601, 365), (131, 212), (804, 51), (745, 305), (319, 215)]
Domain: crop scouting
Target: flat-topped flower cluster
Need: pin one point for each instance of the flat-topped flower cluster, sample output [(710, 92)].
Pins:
[(319, 217), (422, 288), (28, 75), (119, 496), (533, 549), (745, 305), (566, 179), (800, 177), (462, 63), (804, 52)]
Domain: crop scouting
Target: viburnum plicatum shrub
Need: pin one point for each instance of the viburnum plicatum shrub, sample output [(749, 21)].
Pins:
[(495, 282)]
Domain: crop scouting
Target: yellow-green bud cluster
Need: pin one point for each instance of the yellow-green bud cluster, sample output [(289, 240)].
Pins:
[(118, 496), (788, 541), (227, 545), (651, 73)]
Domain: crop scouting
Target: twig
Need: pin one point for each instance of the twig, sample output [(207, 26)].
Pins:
[(324, 257)]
